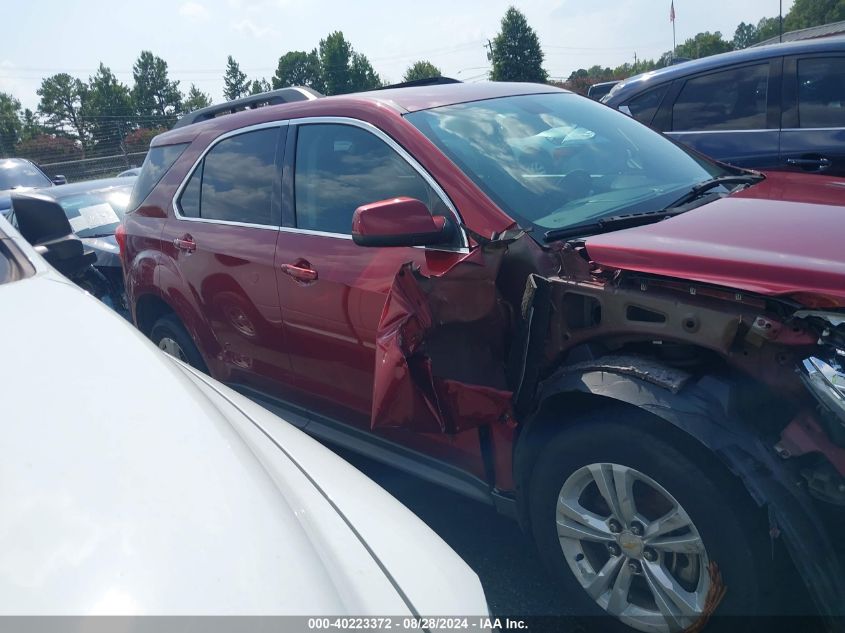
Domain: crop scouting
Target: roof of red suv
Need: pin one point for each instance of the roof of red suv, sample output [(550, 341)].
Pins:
[(398, 100)]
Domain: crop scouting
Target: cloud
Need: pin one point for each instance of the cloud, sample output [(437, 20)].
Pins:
[(193, 11), (247, 26)]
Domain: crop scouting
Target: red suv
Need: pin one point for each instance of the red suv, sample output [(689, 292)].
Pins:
[(535, 300)]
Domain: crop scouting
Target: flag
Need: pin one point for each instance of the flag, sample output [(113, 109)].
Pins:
[(672, 11)]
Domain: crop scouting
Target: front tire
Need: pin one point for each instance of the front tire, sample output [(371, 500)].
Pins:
[(630, 525), (171, 337)]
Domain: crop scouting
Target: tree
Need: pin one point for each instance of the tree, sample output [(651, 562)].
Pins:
[(46, 148), (139, 140), (298, 68), (196, 99), (703, 45), (807, 13), (10, 123), (517, 55), (745, 35), (335, 55), (235, 84), (153, 94), (258, 86), (30, 127), (767, 28), (362, 76), (110, 110), (422, 69), (64, 106)]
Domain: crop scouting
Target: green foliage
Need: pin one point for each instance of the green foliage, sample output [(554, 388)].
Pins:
[(703, 45), (45, 148), (30, 127), (196, 99), (139, 140), (298, 68), (10, 123), (65, 107), (257, 86), (235, 84), (362, 76), (110, 110), (153, 93), (422, 69), (335, 55), (744, 36), (342, 69), (517, 55), (807, 13)]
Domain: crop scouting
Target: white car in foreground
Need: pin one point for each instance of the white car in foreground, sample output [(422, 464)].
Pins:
[(131, 484)]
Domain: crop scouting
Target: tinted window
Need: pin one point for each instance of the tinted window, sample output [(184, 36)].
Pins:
[(644, 107), (341, 167), (234, 182), (189, 201), (821, 92), (238, 177), (159, 159), (729, 100), (21, 173)]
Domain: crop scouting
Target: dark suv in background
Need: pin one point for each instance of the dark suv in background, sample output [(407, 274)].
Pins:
[(532, 299), (770, 107)]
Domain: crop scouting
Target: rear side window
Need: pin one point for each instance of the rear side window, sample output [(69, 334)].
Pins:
[(341, 167), (644, 107), (234, 181), (733, 99), (159, 159), (821, 92)]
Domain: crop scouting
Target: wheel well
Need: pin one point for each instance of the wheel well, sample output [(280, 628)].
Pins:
[(148, 310), (562, 410)]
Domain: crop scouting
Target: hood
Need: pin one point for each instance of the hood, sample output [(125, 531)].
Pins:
[(5, 202), (106, 248), (782, 237), (128, 488)]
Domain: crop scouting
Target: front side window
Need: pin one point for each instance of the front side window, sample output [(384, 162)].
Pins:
[(821, 92), (733, 99), (234, 181), (342, 167), (555, 160), (644, 107)]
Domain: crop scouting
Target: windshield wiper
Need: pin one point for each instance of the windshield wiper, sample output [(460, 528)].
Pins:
[(707, 185), (612, 223), (677, 207)]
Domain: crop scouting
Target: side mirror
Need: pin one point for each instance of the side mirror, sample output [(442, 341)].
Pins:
[(43, 223), (398, 222), (58, 179)]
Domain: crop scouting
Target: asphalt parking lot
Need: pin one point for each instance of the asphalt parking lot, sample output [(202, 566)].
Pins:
[(514, 579)]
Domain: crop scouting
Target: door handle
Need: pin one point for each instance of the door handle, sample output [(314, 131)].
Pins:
[(185, 243), (820, 164), (299, 272)]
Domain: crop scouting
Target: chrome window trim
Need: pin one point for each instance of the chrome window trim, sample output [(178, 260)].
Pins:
[(293, 229), (381, 135), (184, 183), (814, 129), (730, 131)]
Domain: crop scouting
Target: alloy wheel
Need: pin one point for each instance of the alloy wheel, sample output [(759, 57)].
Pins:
[(170, 346), (632, 547)]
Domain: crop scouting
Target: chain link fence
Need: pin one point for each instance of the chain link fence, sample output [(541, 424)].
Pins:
[(92, 168)]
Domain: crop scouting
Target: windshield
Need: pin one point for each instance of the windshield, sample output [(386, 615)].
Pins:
[(556, 160), (96, 213), (20, 173)]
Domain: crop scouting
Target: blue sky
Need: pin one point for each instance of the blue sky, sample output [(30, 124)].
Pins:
[(195, 36)]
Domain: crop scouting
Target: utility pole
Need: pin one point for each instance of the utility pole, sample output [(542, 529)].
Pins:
[(489, 51), (635, 61), (780, 36)]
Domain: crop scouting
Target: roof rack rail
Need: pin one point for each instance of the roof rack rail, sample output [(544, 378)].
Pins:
[(273, 97), (428, 81)]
